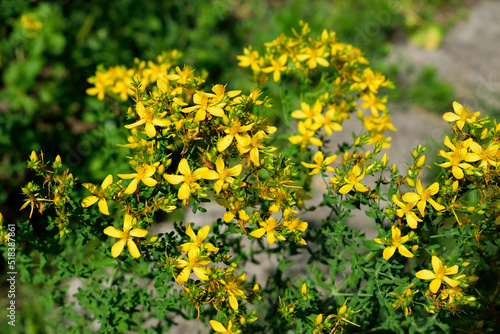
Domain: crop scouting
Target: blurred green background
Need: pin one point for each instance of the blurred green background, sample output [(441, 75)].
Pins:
[(44, 67)]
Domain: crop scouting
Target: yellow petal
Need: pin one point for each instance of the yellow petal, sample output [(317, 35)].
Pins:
[(224, 143), (184, 275), (190, 233), (395, 232), (436, 205), (173, 179), (141, 111), (451, 271), (135, 124), (404, 251), (103, 206), (127, 176), (425, 274), (216, 111), (436, 264), (435, 284), (201, 273), (451, 282), (411, 197), (150, 130), (184, 191), (450, 117), (183, 167), (229, 215), (132, 186), (389, 252), (360, 187), (203, 233), (345, 189), (138, 233), (217, 326), (233, 302), (92, 188), (235, 171), (117, 248), (133, 249), (107, 182), (88, 201), (128, 222), (150, 182), (208, 174), (258, 233), (113, 232), (271, 238)]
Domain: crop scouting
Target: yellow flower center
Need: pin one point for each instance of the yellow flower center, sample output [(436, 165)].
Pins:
[(440, 272)]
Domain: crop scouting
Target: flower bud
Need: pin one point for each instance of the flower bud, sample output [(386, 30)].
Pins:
[(33, 157), (420, 161), (383, 161)]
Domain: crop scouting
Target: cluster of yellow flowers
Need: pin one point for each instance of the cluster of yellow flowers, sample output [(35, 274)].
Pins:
[(118, 80), (31, 24), (190, 145), (471, 163), (341, 68)]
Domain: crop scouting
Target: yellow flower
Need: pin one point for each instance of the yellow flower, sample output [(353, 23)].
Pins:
[(295, 225), (352, 181), (253, 147), (305, 137), (101, 81), (197, 241), (440, 274), (98, 195), (222, 175), (396, 243), (144, 173), (370, 80), (233, 286), (149, 118), (30, 22), (330, 121), (373, 103), (235, 207), (125, 237), (205, 103), (461, 116), (220, 328), (321, 163), (236, 130), (459, 153), (122, 84), (269, 227), (195, 263), (314, 57), (407, 211), (277, 66), (187, 178), (487, 156), (249, 58), (307, 112), (423, 196)]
